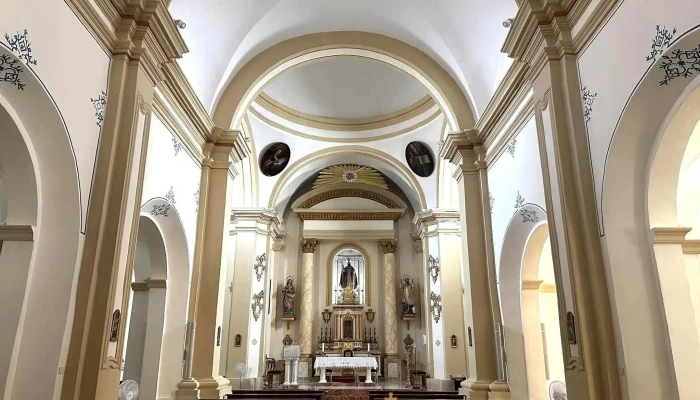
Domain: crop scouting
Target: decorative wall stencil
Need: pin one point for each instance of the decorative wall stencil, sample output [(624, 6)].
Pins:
[(177, 146), (255, 341), (571, 328), (434, 268), (435, 306), (587, 98), (681, 63), (196, 201), (100, 103), (218, 336), (529, 216), (160, 210), (511, 147), (257, 305), (491, 201), (274, 158), (20, 45), (660, 42), (519, 201), (420, 159), (438, 342), (260, 265), (170, 196), (116, 322), (10, 68), (350, 173)]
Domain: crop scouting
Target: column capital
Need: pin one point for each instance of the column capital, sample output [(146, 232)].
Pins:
[(231, 139), (673, 235), (388, 245), (458, 146), (308, 245)]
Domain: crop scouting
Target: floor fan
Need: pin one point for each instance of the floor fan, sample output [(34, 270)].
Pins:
[(242, 369), (557, 390), (129, 390)]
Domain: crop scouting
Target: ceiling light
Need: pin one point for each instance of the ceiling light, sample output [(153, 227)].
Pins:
[(507, 23), (180, 23)]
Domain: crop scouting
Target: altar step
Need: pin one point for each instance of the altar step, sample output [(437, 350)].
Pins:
[(343, 393)]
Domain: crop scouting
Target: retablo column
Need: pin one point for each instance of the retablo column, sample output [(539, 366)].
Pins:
[(390, 329), (308, 247)]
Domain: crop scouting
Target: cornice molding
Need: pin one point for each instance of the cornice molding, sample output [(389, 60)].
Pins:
[(425, 218), (674, 235), (460, 144), (593, 23), (336, 124), (531, 285), (16, 233), (349, 215), (323, 193), (348, 235), (265, 216), (504, 99), (691, 246)]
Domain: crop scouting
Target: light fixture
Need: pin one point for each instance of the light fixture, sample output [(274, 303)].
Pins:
[(180, 23), (508, 22), (370, 315), (326, 315)]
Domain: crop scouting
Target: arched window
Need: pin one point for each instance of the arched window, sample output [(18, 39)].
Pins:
[(348, 268)]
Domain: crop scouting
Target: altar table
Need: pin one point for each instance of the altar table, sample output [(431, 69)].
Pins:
[(368, 363)]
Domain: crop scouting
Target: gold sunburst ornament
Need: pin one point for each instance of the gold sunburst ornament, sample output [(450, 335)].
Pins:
[(350, 173)]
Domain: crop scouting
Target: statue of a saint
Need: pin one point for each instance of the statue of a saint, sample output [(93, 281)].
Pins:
[(288, 300), (407, 296), (348, 278)]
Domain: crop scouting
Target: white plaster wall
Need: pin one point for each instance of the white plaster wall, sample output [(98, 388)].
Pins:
[(513, 174)]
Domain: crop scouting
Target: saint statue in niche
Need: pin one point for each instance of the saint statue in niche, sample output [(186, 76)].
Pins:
[(288, 298), (407, 301), (420, 159), (348, 278), (274, 159)]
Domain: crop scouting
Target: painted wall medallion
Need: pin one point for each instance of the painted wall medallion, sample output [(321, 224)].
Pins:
[(420, 159), (274, 159), (116, 321)]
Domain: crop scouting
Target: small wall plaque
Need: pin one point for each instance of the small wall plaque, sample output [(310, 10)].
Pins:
[(237, 342), (571, 328), (453, 341), (218, 336)]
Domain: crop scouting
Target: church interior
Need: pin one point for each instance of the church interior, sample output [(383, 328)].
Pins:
[(312, 199)]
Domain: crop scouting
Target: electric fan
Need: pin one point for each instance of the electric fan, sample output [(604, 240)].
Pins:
[(557, 390), (242, 369), (129, 390)]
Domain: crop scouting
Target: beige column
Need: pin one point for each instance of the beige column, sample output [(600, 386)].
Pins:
[(205, 307), (480, 299), (306, 320), (589, 356), (390, 310)]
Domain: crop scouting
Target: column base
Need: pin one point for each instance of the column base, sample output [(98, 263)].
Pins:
[(499, 390), (305, 369), (392, 366), (196, 388), (475, 390)]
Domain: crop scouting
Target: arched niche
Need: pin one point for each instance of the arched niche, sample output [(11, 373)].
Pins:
[(367, 273), (42, 191)]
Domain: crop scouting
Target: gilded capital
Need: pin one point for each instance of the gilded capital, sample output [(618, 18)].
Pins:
[(308, 245), (388, 245)]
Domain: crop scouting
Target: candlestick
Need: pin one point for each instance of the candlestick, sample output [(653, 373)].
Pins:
[(323, 347), (368, 347)]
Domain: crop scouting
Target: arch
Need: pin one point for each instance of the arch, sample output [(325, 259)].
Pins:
[(53, 208), (627, 200), (324, 193), (368, 271), (177, 276), (407, 182), (519, 248), (244, 86)]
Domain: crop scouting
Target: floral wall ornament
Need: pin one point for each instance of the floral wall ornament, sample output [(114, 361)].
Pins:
[(177, 146), (511, 147), (160, 210), (661, 41), (588, 98), (434, 268), (519, 201), (680, 63), (170, 196), (435, 306), (196, 201), (260, 265), (20, 45), (529, 216), (491, 201), (257, 305), (10, 69), (99, 103)]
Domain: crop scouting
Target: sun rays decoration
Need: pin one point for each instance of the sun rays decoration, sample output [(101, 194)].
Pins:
[(350, 173)]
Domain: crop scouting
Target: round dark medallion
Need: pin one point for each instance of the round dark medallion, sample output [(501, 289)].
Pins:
[(274, 158), (420, 159)]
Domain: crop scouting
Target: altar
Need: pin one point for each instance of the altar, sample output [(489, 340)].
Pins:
[(366, 363)]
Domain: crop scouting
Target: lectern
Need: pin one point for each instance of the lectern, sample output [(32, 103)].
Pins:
[(291, 365)]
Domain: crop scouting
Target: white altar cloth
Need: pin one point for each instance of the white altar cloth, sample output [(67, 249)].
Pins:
[(368, 363)]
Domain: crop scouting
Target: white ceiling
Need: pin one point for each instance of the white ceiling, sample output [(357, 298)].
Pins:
[(345, 88), (463, 36)]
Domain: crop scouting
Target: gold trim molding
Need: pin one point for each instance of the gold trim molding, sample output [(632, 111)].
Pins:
[(347, 125), (349, 215), (348, 192)]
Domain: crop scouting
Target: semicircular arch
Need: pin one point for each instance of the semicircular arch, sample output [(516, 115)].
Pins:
[(368, 269)]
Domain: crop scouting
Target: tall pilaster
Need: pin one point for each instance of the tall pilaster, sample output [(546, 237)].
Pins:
[(465, 150), (144, 40), (210, 258), (391, 354), (550, 59), (308, 249)]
